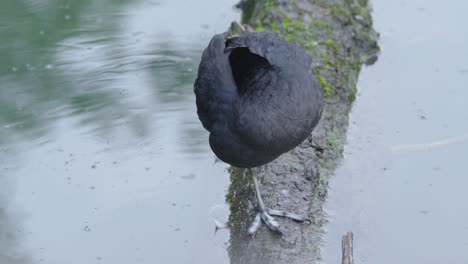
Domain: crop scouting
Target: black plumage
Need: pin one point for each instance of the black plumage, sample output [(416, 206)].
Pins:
[(256, 96)]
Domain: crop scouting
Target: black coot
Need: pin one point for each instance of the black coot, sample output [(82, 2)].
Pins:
[(257, 97)]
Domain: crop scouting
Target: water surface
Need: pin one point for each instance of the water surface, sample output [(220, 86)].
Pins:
[(102, 156), (402, 185)]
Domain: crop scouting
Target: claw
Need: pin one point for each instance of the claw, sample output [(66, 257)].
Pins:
[(288, 215), (270, 222), (255, 224), (265, 214), (266, 217)]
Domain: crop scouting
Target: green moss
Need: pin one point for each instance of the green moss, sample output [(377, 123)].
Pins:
[(333, 139), (314, 24), (289, 38), (338, 9), (236, 177), (285, 23), (274, 27), (311, 44), (352, 95), (248, 9), (327, 88), (315, 189), (324, 58), (280, 12), (329, 32), (269, 4), (260, 29), (298, 25), (359, 8)]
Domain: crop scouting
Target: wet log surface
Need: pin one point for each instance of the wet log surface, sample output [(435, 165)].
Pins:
[(339, 36)]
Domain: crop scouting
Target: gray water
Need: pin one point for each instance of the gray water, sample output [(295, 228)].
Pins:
[(103, 160), (402, 187), (102, 156)]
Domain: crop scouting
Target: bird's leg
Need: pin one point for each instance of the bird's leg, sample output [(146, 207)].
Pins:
[(263, 214), (266, 214), (261, 205)]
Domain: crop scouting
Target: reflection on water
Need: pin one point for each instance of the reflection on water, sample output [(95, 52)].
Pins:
[(402, 186), (102, 157)]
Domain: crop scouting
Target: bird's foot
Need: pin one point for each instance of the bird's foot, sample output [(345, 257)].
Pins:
[(266, 217)]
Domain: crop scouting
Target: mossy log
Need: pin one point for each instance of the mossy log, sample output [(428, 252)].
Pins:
[(339, 36)]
